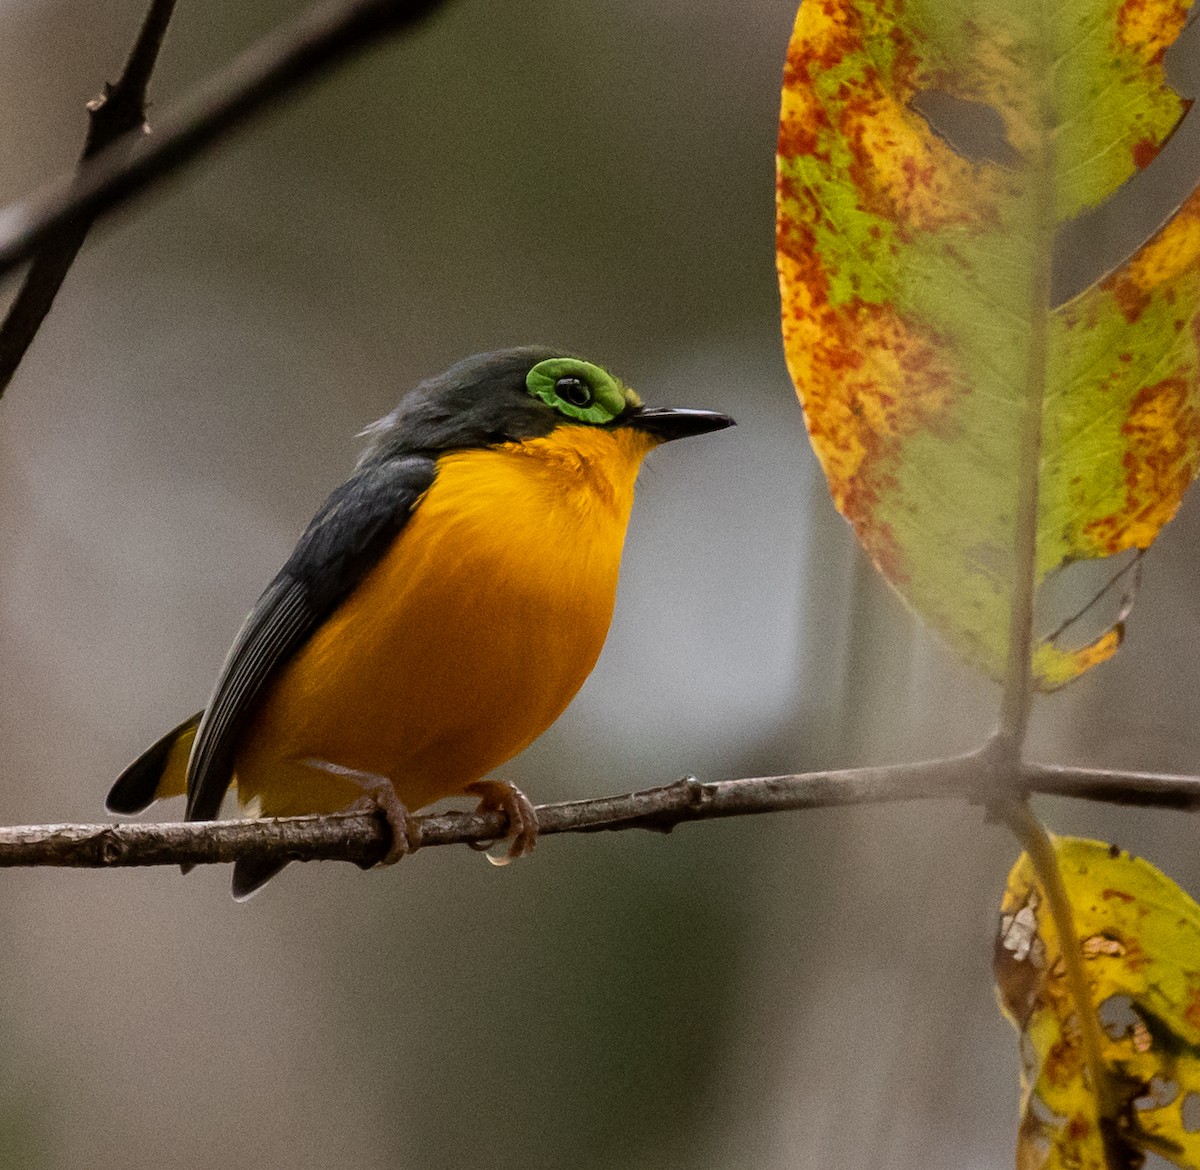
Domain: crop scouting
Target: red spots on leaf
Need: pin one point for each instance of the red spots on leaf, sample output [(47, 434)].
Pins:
[(1104, 534), (835, 33), (869, 379), (1162, 431), (1135, 956), (1149, 27), (1061, 1064), (1131, 297), (1109, 894), (906, 67), (800, 266), (885, 550), (1191, 1011), (797, 139), (1144, 153), (918, 174)]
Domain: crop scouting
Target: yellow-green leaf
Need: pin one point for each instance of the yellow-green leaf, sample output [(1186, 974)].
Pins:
[(1139, 935), (975, 436)]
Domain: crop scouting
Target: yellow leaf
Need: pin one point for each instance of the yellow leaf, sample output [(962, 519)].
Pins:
[(1139, 936)]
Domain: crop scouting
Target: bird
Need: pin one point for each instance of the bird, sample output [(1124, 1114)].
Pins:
[(439, 612)]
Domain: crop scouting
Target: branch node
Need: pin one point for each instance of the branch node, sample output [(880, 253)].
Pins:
[(997, 775), (110, 849)]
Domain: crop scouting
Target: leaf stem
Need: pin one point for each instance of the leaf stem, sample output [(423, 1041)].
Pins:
[(1039, 846), (1018, 682)]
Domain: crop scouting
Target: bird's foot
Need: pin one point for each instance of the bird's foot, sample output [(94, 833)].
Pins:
[(378, 796), (406, 834), (500, 796)]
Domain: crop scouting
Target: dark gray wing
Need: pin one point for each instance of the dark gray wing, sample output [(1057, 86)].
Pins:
[(346, 538)]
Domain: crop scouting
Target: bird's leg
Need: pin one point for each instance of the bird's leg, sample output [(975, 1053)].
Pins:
[(507, 798), (406, 836), (380, 796)]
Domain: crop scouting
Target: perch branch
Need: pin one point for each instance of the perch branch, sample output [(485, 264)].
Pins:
[(119, 110), (276, 66), (363, 837)]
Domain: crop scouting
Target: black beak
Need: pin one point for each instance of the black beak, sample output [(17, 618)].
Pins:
[(677, 422)]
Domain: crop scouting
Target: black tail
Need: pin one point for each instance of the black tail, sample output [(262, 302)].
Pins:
[(251, 876), (136, 786)]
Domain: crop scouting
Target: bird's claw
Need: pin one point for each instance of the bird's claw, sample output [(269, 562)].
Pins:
[(500, 796), (406, 836)]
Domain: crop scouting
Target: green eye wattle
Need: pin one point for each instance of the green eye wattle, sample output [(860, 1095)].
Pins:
[(577, 389)]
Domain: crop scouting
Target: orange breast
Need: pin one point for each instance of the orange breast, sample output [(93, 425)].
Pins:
[(466, 641)]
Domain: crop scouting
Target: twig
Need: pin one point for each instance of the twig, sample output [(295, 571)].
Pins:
[(279, 64), (1138, 789), (363, 837), (120, 109)]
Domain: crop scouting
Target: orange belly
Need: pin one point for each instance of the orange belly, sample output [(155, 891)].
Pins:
[(465, 642)]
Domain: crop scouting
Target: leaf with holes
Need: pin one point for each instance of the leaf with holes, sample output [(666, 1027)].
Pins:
[(978, 437), (1139, 935)]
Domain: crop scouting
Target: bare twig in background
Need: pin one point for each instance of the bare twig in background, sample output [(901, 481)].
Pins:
[(275, 67), (364, 837), (119, 110)]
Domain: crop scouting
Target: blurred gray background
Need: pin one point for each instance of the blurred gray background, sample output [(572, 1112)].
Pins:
[(808, 990)]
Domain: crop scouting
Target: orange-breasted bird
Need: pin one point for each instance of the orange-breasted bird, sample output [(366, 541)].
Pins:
[(439, 612)]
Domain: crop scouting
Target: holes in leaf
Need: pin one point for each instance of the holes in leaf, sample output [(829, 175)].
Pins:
[(1083, 600), (1159, 1093), (1181, 62), (1100, 945), (1018, 961), (1123, 1022), (1044, 1114), (973, 130), (1018, 935), (1190, 1113), (1117, 1016)]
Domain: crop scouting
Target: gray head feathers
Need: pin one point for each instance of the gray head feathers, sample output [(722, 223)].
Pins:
[(478, 402)]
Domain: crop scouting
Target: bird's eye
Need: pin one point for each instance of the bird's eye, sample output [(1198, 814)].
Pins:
[(578, 390), (574, 390)]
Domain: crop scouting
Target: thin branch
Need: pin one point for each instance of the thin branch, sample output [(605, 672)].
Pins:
[(364, 837), (1137, 789), (279, 64), (120, 110)]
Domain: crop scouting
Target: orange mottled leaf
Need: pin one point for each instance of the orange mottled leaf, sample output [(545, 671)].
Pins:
[(976, 436)]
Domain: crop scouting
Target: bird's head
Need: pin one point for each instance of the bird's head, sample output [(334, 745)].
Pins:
[(514, 395)]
